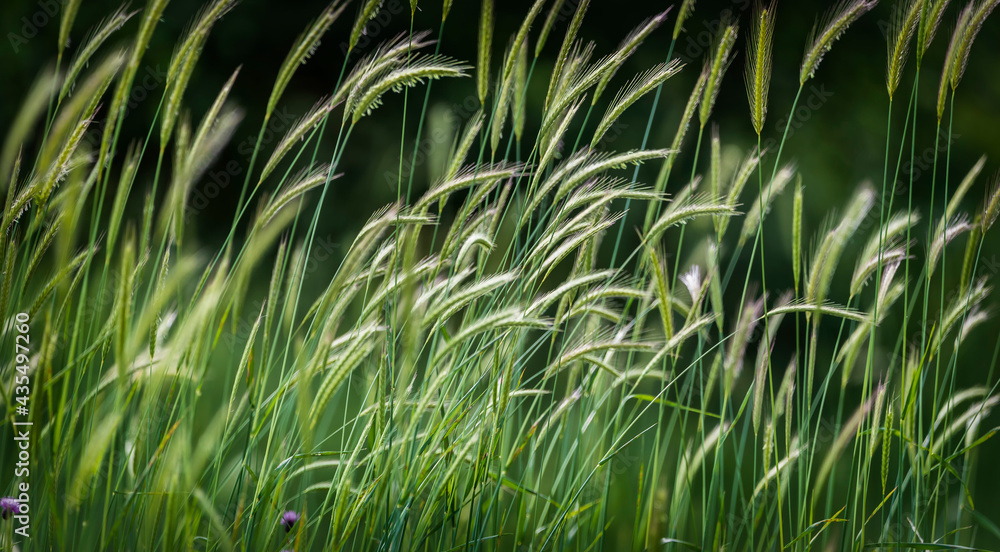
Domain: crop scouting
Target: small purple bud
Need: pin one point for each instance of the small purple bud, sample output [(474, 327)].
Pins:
[(8, 507), (288, 519)]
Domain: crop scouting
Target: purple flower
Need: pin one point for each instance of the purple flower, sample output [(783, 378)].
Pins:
[(288, 519), (8, 507)]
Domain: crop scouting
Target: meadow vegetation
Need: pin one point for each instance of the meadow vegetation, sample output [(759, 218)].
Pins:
[(477, 374)]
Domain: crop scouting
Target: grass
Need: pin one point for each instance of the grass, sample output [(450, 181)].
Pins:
[(486, 380)]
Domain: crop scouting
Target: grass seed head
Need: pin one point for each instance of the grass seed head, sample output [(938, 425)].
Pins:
[(483, 51), (931, 14), (687, 8), (975, 24), (828, 30), (716, 66), (905, 19), (951, 59), (758, 68), (991, 205)]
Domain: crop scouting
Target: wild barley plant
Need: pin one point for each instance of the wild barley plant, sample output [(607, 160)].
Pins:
[(488, 379)]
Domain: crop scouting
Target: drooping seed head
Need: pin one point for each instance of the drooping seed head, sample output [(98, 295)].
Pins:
[(827, 256), (69, 9), (930, 19), (991, 206), (687, 8), (368, 12), (510, 60), (428, 67), (97, 37), (976, 19), (564, 50), (307, 43), (963, 188), (716, 66), (904, 22), (947, 230), (832, 26), (631, 93), (949, 59), (195, 37), (150, 17), (626, 48)]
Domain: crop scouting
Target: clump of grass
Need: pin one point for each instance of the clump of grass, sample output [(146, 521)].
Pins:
[(474, 373)]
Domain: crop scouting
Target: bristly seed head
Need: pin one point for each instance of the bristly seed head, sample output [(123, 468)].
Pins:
[(822, 37), (758, 69), (991, 207), (687, 8), (950, 58), (930, 19), (976, 19), (901, 29), (484, 46), (717, 65)]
